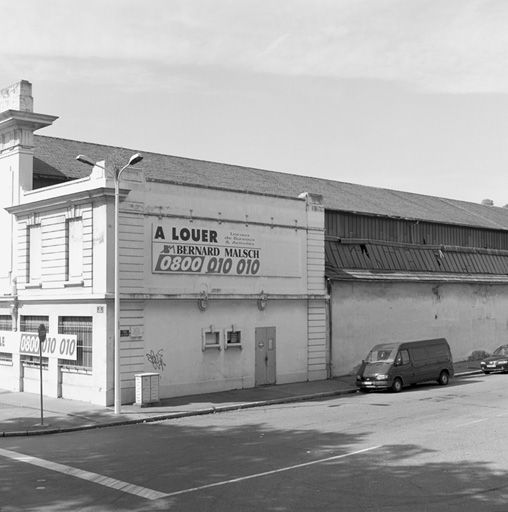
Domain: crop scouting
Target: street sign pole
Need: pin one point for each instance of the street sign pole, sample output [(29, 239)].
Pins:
[(42, 338)]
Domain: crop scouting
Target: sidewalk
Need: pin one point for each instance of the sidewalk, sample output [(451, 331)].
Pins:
[(20, 413)]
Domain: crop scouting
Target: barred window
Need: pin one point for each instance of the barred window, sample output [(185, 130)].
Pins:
[(5, 325), (81, 326), (30, 323)]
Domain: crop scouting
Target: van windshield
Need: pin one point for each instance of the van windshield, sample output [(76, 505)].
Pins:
[(382, 353)]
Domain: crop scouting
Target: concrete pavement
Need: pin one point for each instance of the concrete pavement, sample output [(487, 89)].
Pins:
[(20, 413)]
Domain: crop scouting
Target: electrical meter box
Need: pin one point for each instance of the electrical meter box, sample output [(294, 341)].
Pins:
[(147, 389)]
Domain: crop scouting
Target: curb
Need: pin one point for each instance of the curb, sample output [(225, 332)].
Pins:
[(175, 415), (197, 412)]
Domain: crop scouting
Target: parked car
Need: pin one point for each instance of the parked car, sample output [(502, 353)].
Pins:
[(394, 365), (497, 362)]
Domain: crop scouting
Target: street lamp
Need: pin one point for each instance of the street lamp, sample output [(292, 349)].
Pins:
[(133, 160)]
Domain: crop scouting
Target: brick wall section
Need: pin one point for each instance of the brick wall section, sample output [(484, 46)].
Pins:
[(317, 356)]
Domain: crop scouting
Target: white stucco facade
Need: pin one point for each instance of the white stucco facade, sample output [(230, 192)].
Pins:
[(220, 287), (470, 316), (207, 278)]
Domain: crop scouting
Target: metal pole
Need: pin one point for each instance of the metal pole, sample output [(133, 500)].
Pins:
[(118, 391), (134, 159), (42, 339), (40, 375)]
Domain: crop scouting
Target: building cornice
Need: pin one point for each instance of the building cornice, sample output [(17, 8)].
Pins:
[(55, 202), (16, 118), (25, 298)]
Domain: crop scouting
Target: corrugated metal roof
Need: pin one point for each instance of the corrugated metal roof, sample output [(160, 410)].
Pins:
[(371, 256), (55, 156)]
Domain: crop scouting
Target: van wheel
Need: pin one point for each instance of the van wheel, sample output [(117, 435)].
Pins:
[(397, 385), (444, 378)]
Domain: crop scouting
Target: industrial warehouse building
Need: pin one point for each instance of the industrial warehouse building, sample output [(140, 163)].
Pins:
[(230, 277)]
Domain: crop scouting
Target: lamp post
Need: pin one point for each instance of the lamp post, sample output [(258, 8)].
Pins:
[(133, 160)]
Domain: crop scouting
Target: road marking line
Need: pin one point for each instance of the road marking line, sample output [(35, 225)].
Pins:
[(471, 422), (272, 472), (126, 487), (151, 494)]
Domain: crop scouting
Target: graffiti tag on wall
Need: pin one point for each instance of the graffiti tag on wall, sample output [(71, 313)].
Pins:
[(156, 359)]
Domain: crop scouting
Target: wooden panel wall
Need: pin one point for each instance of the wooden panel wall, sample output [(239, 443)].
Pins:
[(351, 225)]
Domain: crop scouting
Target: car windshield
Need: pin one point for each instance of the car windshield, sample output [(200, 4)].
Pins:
[(501, 351), (382, 353)]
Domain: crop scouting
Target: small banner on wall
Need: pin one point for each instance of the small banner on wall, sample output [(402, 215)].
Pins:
[(61, 346), (9, 341)]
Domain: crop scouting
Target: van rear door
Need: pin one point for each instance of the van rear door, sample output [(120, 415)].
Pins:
[(439, 357)]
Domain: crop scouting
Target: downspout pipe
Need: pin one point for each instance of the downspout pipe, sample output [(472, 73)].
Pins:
[(330, 325)]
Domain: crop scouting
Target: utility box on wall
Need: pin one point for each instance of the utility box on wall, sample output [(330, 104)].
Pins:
[(147, 389)]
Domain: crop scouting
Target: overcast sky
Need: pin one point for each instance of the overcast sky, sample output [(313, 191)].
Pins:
[(404, 94)]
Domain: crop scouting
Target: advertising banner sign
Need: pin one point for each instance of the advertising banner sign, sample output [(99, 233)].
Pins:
[(183, 247)]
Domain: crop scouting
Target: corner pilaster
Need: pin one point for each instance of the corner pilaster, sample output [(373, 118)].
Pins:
[(17, 125), (317, 327)]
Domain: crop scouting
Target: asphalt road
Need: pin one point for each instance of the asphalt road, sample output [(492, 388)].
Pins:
[(428, 448)]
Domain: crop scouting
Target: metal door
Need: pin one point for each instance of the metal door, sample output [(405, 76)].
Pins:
[(265, 356)]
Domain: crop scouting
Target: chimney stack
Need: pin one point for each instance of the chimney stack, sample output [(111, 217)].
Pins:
[(17, 96)]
